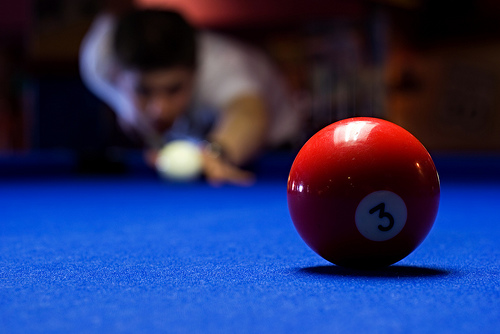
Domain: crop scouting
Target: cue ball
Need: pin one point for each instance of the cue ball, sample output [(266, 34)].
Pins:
[(180, 160), (363, 193)]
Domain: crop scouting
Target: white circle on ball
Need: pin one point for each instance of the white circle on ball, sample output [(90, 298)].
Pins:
[(381, 215), (180, 160)]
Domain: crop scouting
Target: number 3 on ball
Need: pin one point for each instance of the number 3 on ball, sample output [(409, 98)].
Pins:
[(389, 221)]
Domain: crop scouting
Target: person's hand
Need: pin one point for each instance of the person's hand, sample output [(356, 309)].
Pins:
[(218, 171)]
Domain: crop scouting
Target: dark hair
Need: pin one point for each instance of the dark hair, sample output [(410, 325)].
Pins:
[(154, 39)]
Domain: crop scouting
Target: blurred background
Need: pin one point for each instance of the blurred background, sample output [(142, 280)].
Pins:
[(431, 66)]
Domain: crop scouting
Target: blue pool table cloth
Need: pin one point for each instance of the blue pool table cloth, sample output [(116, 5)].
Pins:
[(133, 254)]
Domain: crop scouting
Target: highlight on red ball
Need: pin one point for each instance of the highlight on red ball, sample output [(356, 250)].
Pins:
[(363, 193)]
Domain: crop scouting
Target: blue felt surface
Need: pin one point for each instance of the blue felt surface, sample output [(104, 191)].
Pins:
[(137, 255)]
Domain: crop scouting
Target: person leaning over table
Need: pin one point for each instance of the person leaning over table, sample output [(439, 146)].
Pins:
[(165, 79)]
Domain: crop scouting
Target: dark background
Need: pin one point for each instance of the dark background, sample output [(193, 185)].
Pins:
[(431, 66)]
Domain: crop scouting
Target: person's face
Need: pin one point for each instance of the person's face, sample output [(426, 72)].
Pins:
[(159, 95)]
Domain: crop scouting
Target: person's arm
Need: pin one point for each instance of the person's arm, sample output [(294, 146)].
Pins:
[(96, 61), (241, 133), (98, 69), (242, 129), (97, 64)]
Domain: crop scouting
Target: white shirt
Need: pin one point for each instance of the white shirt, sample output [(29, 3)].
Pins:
[(226, 69)]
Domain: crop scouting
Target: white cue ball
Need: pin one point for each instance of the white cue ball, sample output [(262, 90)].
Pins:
[(180, 160)]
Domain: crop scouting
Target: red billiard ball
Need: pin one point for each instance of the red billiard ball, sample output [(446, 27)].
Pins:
[(363, 192)]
